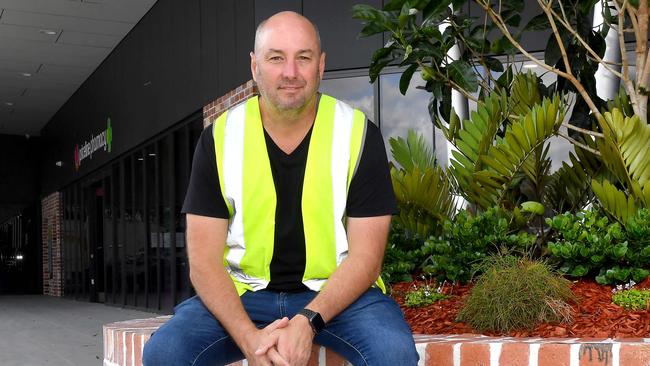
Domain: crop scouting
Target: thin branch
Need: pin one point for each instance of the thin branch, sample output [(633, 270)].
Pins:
[(642, 37), (462, 91), (582, 130), (484, 82), (584, 44), (579, 144), (607, 62), (498, 21), (638, 33), (629, 86), (642, 59), (556, 33), (564, 17), (457, 87), (646, 72)]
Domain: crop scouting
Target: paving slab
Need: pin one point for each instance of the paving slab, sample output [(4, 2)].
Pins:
[(43, 330)]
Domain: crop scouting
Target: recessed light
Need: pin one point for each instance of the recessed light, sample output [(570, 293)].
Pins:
[(48, 32), (152, 154), (25, 74), (530, 66), (9, 103)]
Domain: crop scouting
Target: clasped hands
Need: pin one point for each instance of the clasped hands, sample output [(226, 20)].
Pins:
[(282, 343)]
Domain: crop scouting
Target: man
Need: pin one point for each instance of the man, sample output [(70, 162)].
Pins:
[(287, 253)]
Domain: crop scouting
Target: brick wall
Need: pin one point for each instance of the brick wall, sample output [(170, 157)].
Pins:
[(233, 97), (51, 224)]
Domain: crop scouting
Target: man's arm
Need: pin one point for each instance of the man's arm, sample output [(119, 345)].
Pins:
[(367, 238), (205, 247), (366, 244)]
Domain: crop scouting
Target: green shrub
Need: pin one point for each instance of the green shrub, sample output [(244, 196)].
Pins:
[(403, 255), (422, 296), (470, 239), (516, 293), (632, 299), (589, 244)]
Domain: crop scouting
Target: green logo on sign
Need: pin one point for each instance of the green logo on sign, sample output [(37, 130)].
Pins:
[(109, 135)]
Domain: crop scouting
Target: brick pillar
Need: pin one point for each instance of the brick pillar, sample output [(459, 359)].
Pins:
[(51, 229), (221, 104)]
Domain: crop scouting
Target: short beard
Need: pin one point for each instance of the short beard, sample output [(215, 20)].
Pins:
[(289, 110)]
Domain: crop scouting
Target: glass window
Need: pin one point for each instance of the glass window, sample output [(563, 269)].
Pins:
[(154, 235), (356, 91), (165, 149), (108, 239), (118, 251), (399, 113), (140, 232), (129, 231)]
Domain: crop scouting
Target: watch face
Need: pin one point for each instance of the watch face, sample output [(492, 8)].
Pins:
[(315, 320)]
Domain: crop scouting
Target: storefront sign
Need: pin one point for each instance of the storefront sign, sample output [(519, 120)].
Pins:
[(101, 141)]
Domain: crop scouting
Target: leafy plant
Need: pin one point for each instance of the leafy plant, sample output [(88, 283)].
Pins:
[(403, 255), (589, 244), (423, 191), (625, 151), (422, 296), (632, 299), (569, 188), (503, 162), (469, 240), (516, 293)]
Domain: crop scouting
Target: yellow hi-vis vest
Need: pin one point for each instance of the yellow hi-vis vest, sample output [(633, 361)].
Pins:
[(249, 192)]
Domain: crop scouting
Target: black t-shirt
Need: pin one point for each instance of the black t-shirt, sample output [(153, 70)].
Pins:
[(370, 194)]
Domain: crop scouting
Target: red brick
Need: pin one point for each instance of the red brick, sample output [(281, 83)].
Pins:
[(635, 354), (128, 338), (332, 358), (441, 353), (595, 354), (554, 354), (137, 346), (514, 354), (313, 358), (475, 354)]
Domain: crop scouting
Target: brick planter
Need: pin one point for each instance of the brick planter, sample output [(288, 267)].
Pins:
[(124, 341)]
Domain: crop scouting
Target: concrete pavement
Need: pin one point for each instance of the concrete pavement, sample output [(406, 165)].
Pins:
[(40, 330)]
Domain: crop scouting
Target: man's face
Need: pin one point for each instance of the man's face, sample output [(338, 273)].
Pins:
[(287, 64)]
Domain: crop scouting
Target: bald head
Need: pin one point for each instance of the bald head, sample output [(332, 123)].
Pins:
[(285, 19)]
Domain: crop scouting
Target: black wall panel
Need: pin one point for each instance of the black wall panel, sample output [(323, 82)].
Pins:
[(244, 38), (179, 57), (150, 81), (18, 173), (209, 51), (266, 8), (339, 33)]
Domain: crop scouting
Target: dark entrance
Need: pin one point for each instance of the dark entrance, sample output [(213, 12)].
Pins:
[(95, 209)]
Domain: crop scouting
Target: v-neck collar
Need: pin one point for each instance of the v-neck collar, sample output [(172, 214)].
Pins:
[(304, 143)]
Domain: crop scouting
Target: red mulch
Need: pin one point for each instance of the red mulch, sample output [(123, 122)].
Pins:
[(594, 314)]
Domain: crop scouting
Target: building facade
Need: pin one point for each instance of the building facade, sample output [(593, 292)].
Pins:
[(115, 160)]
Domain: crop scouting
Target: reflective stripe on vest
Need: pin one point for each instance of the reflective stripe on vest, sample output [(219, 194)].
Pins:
[(247, 186)]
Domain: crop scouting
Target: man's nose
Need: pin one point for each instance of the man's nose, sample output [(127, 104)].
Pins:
[(290, 69)]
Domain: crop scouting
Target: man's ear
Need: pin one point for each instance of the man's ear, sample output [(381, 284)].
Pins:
[(253, 65), (321, 64)]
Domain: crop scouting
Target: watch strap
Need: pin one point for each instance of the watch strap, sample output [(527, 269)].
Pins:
[(315, 320)]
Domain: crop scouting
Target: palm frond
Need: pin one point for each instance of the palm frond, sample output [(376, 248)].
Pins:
[(507, 157), (614, 201), (412, 152)]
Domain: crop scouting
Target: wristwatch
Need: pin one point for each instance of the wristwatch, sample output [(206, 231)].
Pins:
[(315, 320)]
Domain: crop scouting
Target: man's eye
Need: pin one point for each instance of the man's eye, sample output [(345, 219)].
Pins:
[(275, 58)]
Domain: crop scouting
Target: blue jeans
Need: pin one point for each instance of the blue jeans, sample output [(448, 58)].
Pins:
[(371, 331)]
